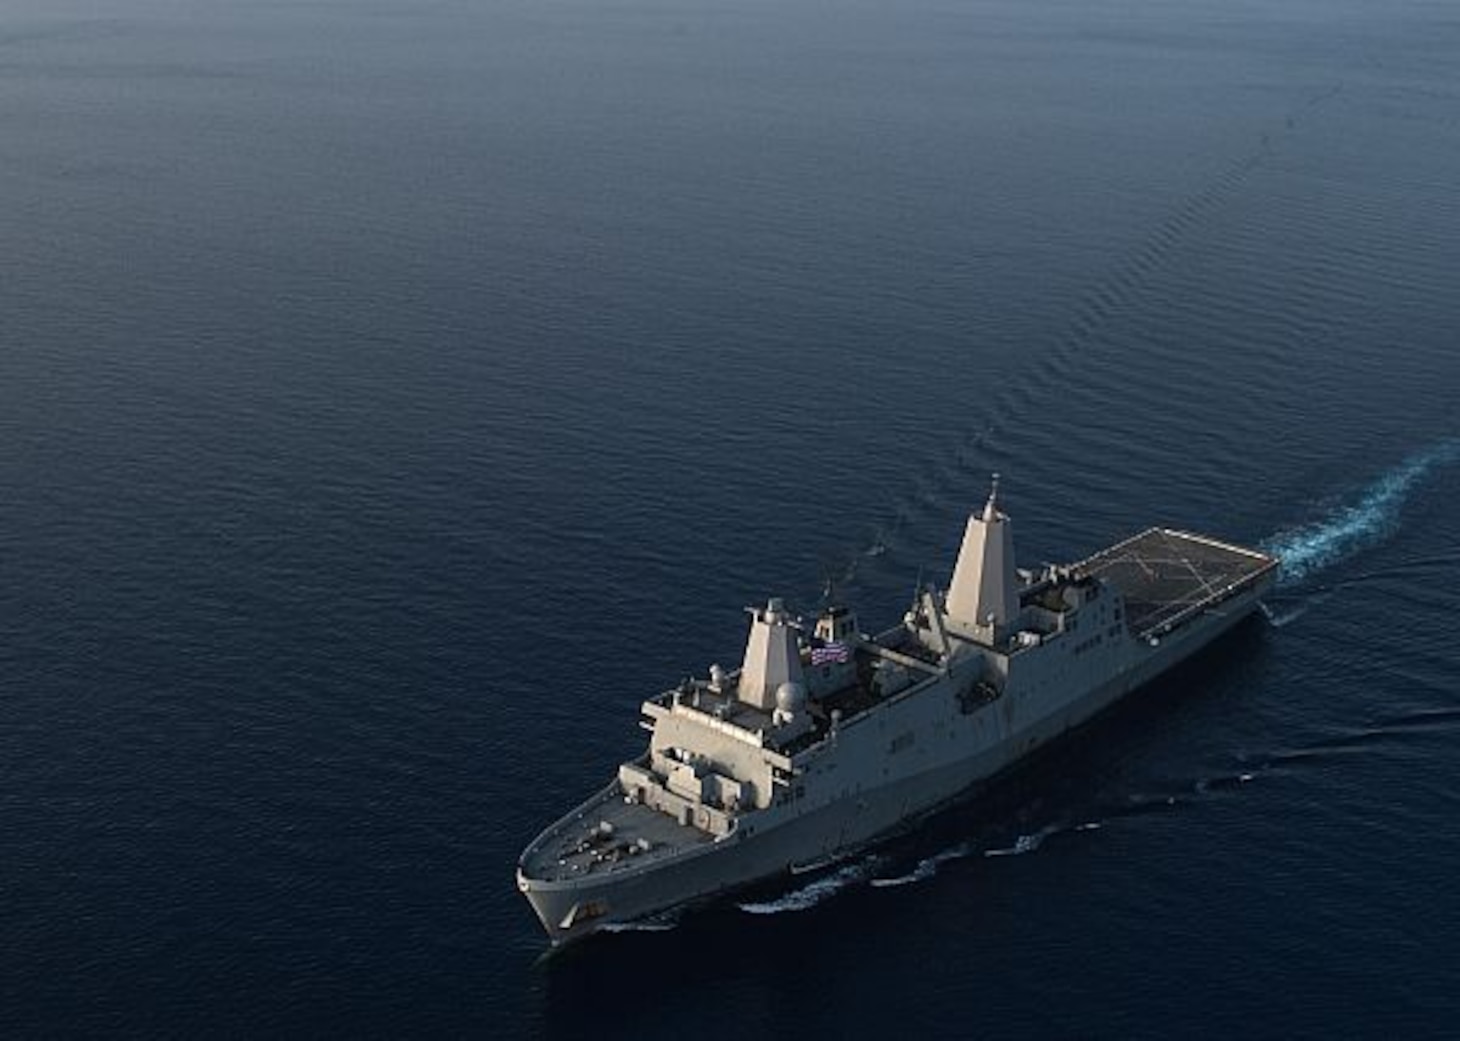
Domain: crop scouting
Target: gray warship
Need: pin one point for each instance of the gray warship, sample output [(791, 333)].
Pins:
[(827, 738)]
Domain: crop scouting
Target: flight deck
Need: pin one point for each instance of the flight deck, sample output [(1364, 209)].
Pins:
[(1168, 577)]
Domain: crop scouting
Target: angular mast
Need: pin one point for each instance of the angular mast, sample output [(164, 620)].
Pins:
[(772, 656), (985, 587)]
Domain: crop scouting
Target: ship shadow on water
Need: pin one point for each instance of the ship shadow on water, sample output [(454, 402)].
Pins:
[(1057, 798)]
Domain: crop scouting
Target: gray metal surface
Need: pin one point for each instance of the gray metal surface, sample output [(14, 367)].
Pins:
[(1165, 576)]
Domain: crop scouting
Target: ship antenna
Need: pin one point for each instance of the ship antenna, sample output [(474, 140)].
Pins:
[(828, 584)]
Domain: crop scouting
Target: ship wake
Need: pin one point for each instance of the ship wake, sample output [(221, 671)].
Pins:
[(1350, 527), (657, 924), (1025, 843), (1030, 842), (824, 888), (927, 867)]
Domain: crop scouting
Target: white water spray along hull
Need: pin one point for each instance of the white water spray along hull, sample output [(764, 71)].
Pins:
[(730, 794)]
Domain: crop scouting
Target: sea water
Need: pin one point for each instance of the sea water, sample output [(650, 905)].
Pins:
[(394, 395)]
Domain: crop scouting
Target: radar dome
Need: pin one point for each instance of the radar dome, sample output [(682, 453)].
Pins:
[(791, 697)]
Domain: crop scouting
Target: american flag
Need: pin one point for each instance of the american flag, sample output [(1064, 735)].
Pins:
[(832, 652)]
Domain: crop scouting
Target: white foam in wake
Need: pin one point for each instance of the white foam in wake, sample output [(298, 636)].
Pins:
[(927, 867), (808, 896), (1312, 547), (646, 926), (1278, 620), (1025, 843)]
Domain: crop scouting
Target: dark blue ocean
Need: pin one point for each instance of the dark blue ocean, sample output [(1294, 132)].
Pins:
[(394, 394)]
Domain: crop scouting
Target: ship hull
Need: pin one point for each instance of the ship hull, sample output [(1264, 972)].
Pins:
[(569, 909)]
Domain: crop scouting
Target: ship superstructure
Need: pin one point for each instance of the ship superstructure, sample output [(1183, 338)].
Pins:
[(826, 737)]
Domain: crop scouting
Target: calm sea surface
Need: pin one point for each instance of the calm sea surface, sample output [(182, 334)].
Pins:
[(392, 395)]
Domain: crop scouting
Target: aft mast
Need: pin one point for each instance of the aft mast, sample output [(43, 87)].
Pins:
[(984, 593)]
